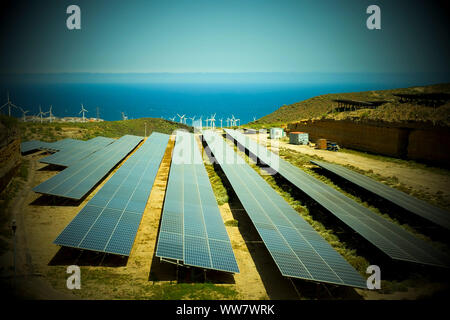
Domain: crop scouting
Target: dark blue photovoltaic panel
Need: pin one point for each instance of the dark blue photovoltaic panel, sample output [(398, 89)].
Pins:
[(192, 230), (390, 238), (36, 145), (77, 180), (70, 156), (110, 220), (421, 208), (296, 248)]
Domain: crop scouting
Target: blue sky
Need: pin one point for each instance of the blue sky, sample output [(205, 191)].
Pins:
[(224, 36)]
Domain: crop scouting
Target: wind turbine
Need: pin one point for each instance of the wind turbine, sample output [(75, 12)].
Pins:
[(238, 120), (220, 123), (181, 117), (172, 119), (193, 118), (24, 112), (40, 114), (50, 114), (213, 121), (228, 121), (83, 110), (9, 104), (233, 120), (254, 119)]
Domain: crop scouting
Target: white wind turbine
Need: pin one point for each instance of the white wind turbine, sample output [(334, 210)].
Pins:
[(220, 123), (50, 114), (193, 118), (213, 121), (40, 114), (9, 104), (233, 120), (83, 110), (181, 117), (172, 119), (228, 122), (24, 112)]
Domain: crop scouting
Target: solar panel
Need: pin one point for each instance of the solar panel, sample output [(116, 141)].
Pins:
[(192, 229), (390, 238), (297, 249), (77, 180), (36, 145), (110, 220), (421, 208), (71, 155)]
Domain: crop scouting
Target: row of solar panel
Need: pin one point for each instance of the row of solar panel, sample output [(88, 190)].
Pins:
[(70, 156), (35, 145), (393, 240), (77, 180), (110, 220), (192, 229), (297, 249), (421, 208)]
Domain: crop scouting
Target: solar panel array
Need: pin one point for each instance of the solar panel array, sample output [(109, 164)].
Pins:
[(110, 220), (35, 145), (397, 197), (297, 249), (390, 238), (77, 180), (70, 156), (192, 230)]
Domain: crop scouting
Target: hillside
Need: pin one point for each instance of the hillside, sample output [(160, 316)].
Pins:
[(321, 107), (113, 129)]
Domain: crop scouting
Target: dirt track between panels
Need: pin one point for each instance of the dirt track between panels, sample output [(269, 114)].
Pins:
[(416, 178)]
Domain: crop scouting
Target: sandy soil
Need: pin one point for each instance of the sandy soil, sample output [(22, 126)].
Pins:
[(418, 179)]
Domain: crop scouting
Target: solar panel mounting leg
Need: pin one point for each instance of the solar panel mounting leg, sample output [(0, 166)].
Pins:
[(295, 288)]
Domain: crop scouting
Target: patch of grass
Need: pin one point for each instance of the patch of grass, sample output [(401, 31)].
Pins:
[(323, 106), (217, 185), (105, 283), (232, 223)]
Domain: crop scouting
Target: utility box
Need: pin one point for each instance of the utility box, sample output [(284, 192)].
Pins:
[(276, 133), (298, 138)]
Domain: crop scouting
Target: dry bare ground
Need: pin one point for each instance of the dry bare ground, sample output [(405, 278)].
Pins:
[(416, 178)]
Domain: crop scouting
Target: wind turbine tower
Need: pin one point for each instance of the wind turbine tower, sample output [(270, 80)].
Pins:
[(24, 112), (83, 110), (40, 114), (9, 104), (50, 114)]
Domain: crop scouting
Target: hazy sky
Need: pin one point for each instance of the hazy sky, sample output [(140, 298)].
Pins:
[(224, 36)]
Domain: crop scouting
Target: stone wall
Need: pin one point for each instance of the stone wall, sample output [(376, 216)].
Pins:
[(404, 141)]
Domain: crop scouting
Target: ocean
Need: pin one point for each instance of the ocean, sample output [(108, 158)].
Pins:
[(243, 100)]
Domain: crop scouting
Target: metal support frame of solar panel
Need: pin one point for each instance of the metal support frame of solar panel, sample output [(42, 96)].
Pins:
[(390, 238), (192, 230), (36, 145), (421, 208), (77, 180), (110, 220), (71, 155), (297, 249)]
